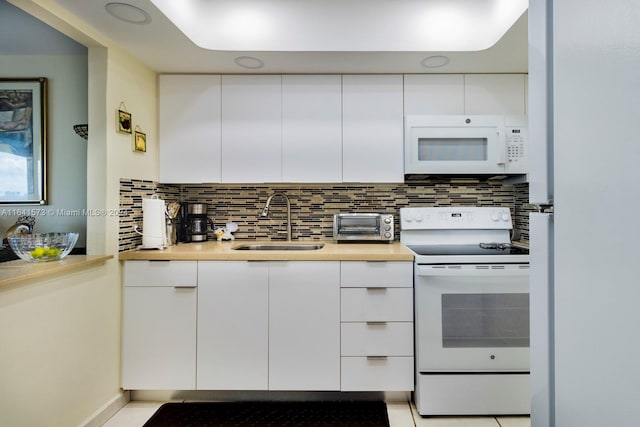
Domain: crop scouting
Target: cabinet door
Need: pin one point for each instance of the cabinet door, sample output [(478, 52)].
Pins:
[(304, 325), (366, 274), (495, 94), (372, 133), (377, 304), (159, 338), (433, 94), (189, 129), (251, 128), (232, 325), (311, 128)]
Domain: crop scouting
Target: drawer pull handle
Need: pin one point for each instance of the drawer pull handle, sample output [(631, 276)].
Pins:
[(378, 289), (376, 357), (185, 287), (376, 323)]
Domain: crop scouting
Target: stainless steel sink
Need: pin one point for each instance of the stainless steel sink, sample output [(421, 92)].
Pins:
[(279, 247)]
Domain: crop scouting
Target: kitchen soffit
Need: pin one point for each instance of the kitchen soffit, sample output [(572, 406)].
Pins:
[(164, 48), (343, 25)]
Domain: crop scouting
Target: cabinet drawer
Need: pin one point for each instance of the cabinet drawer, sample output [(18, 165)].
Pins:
[(370, 274), (376, 339), (160, 273), (377, 374), (376, 304)]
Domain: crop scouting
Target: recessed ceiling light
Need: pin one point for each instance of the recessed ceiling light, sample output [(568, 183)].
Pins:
[(435, 61), (128, 13), (249, 62)]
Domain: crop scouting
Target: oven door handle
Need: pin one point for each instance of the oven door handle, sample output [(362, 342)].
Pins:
[(467, 272)]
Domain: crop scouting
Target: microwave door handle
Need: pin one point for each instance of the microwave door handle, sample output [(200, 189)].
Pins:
[(502, 145), (502, 148)]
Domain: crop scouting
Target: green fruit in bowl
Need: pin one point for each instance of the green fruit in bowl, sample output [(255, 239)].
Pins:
[(52, 251), (38, 253)]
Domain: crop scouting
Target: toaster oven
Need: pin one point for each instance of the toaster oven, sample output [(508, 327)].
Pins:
[(363, 227)]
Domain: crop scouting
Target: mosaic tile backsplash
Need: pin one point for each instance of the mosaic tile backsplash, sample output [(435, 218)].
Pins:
[(313, 205)]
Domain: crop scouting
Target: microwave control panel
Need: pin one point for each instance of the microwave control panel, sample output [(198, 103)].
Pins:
[(516, 138)]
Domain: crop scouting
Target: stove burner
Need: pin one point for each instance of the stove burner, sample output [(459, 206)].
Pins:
[(470, 249)]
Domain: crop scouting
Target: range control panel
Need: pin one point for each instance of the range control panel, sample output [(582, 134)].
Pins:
[(453, 218)]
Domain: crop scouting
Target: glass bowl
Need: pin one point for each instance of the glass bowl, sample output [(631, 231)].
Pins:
[(43, 247)]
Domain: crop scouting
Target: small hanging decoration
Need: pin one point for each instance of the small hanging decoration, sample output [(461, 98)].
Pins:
[(124, 119), (82, 130), (139, 140)]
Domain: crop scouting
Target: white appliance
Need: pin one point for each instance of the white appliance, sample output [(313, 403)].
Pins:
[(369, 227), (465, 145), (584, 59), (471, 311)]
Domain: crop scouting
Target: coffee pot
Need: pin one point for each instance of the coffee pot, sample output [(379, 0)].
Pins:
[(195, 222)]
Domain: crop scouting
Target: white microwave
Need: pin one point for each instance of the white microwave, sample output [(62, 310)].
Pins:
[(465, 145)]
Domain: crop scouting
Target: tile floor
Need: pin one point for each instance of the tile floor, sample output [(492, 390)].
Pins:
[(401, 414)]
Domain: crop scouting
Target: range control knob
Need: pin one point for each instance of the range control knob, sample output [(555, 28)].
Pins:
[(387, 235), (387, 227), (505, 216), (418, 218), (387, 220), (494, 216), (408, 218)]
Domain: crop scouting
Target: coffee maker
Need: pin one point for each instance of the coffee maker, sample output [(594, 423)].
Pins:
[(194, 222)]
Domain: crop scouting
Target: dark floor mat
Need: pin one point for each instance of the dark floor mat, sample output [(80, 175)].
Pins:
[(271, 414)]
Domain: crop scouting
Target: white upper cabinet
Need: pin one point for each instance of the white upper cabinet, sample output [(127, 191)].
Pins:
[(311, 128), (372, 131), (189, 128), (495, 94), (433, 94), (251, 128)]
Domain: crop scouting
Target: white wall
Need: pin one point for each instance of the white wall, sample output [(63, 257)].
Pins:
[(60, 339), (59, 348), (67, 152), (114, 78)]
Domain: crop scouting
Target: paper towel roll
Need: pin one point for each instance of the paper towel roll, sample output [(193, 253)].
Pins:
[(154, 229)]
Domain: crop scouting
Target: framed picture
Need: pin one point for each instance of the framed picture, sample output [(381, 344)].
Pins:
[(23, 141), (124, 121), (139, 141)]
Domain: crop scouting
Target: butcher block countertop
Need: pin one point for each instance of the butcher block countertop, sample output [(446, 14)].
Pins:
[(223, 251), (18, 271)]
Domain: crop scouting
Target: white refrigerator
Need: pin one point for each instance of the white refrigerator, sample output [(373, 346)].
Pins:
[(584, 127)]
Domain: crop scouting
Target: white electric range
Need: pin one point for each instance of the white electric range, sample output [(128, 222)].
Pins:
[(471, 311)]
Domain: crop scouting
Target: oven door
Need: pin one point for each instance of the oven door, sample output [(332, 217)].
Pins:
[(472, 318)]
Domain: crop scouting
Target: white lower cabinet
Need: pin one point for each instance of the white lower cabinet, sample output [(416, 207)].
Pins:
[(377, 373), (233, 321), (159, 318), (376, 338), (376, 313), (268, 325), (304, 325)]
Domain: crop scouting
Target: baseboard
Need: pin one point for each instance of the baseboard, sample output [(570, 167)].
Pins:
[(209, 395), (108, 410)]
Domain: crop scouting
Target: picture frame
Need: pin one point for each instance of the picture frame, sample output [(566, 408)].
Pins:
[(124, 121), (23, 141), (139, 141)]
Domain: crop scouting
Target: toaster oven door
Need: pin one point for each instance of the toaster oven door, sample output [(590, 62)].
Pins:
[(357, 226)]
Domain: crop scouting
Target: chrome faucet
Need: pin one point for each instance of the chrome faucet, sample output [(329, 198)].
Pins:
[(265, 210)]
